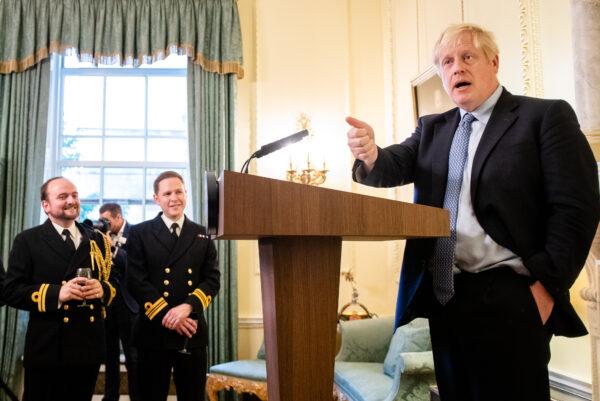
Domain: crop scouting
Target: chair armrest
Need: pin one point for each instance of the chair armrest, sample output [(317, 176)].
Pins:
[(365, 340), (417, 362)]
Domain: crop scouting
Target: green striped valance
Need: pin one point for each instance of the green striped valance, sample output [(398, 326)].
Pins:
[(121, 31)]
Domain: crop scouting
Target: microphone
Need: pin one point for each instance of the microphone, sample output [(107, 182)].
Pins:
[(273, 146), (280, 143)]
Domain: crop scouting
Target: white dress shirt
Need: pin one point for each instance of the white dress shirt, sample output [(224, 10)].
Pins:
[(475, 250), (75, 234), (170, 222)]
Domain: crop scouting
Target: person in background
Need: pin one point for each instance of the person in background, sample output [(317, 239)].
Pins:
[(521, 186), (65, 339), (122, 313), (174, 276)]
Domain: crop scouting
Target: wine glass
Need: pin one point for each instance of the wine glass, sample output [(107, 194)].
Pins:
[(86, 273), (184, 350)]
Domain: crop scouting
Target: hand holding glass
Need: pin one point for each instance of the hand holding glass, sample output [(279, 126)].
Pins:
[(84, 272), (184, 350)]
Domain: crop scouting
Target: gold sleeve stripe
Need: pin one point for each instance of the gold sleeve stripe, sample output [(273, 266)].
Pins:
[(153, 309), (39, 297), (204, 299), (113, 292), (43, 294)]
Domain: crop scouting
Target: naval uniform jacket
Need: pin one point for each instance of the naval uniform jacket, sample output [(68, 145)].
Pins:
[(164, 273), (534, 190), (40, 263)]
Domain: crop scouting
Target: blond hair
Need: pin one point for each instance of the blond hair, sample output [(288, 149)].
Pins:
[(482, 39)]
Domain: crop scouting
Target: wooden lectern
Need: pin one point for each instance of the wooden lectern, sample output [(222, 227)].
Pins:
[(300, 229)]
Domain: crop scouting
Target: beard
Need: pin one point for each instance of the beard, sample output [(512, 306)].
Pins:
[(70, 212)]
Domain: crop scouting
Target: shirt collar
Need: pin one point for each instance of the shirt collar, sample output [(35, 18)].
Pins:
[(122, 229), (484, 111), (72, 229), (170, 222)]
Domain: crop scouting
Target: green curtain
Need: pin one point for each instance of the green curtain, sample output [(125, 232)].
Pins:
[(121, 31), (211, 101), (128, 32), (23, 120)]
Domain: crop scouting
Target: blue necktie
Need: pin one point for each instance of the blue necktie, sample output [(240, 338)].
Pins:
[(443, 254)]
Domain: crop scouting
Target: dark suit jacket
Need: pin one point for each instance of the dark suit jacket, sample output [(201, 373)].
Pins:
[(534, 190), (39, 263), (120, 272), (164, 273)]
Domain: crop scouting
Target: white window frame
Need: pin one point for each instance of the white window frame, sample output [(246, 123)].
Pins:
[(54, 163)]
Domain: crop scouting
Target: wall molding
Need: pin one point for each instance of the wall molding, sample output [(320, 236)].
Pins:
[(250, 322), (571, 387), (531, 54), (591, 2)]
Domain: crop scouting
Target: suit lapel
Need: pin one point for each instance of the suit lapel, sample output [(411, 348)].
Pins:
[(500, 121), (162, 234), (186, 238), (442, 136), (55, 241)]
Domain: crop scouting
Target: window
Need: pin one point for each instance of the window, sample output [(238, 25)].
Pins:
[(116, 129)]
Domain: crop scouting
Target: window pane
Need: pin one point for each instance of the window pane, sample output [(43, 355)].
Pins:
[(83, 132), (82, 104), (167, 103), (125, 102), (82, 149), (86, 179), (152, 210), (125, 132), (172, 61), (124, 149), (124, 183), (133, 213), (167, 133), (167, 150), (89, 211)]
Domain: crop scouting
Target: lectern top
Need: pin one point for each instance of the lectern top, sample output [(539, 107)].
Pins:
[(252, 207)]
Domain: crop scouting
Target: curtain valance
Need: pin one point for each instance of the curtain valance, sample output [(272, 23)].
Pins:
[(128, 32)]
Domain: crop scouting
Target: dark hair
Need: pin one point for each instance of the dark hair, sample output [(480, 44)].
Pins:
[(163, 176), (44, 188), (113, 208)]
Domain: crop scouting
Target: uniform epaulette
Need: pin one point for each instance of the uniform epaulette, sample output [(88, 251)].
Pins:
[(152, 309), (204, 299), (39, 297)]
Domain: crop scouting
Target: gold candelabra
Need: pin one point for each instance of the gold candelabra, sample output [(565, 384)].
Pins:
[(309, 174)]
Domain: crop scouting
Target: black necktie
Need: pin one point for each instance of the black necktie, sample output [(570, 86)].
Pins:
[(68, 240), (174, 228)]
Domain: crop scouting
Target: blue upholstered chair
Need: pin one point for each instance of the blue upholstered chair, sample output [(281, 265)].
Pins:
[(373, 364), (244, 376), (376, 364)]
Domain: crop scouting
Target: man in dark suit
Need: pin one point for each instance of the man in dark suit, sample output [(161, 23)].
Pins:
[(64, 343), (122, 313), (521, 185), (174, 276)]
